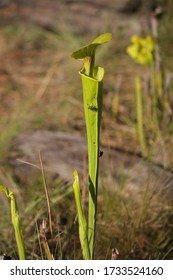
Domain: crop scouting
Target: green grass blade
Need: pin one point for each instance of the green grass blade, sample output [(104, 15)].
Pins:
[(16, 222)]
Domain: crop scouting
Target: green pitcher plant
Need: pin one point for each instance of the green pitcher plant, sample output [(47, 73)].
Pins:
[(16, 222), (92, 83)]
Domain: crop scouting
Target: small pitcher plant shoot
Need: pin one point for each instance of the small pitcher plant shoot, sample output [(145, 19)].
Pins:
[(92, 83), (16, 222)]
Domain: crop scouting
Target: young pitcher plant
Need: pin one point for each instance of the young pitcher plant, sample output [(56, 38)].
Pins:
[(92, 83), (16, 222)]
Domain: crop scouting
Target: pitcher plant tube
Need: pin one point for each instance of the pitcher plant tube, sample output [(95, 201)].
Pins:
[(92, 83), (16, 222)]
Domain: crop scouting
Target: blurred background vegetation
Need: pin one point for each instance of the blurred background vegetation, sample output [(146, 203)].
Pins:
[(40, 89)]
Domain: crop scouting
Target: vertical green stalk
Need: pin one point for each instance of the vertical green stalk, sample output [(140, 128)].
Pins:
[(139, 114), (16, 222), (92, 83)]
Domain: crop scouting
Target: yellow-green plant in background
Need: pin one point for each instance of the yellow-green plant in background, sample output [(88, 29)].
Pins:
[(92, 82), (142, 52)]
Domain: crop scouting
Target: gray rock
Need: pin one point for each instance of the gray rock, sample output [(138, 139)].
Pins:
[(63, 152)]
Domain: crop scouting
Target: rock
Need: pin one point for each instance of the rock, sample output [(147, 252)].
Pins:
[(63, 152)]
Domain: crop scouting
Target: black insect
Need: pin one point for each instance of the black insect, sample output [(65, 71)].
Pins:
[(93, 108), (100, 153)]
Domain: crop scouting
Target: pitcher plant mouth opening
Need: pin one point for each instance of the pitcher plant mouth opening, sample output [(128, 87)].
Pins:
[(87, 54), (92, 84)]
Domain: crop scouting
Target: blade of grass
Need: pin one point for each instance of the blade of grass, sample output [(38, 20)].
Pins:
[(47, 194), (44, 240), (39, 240)]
